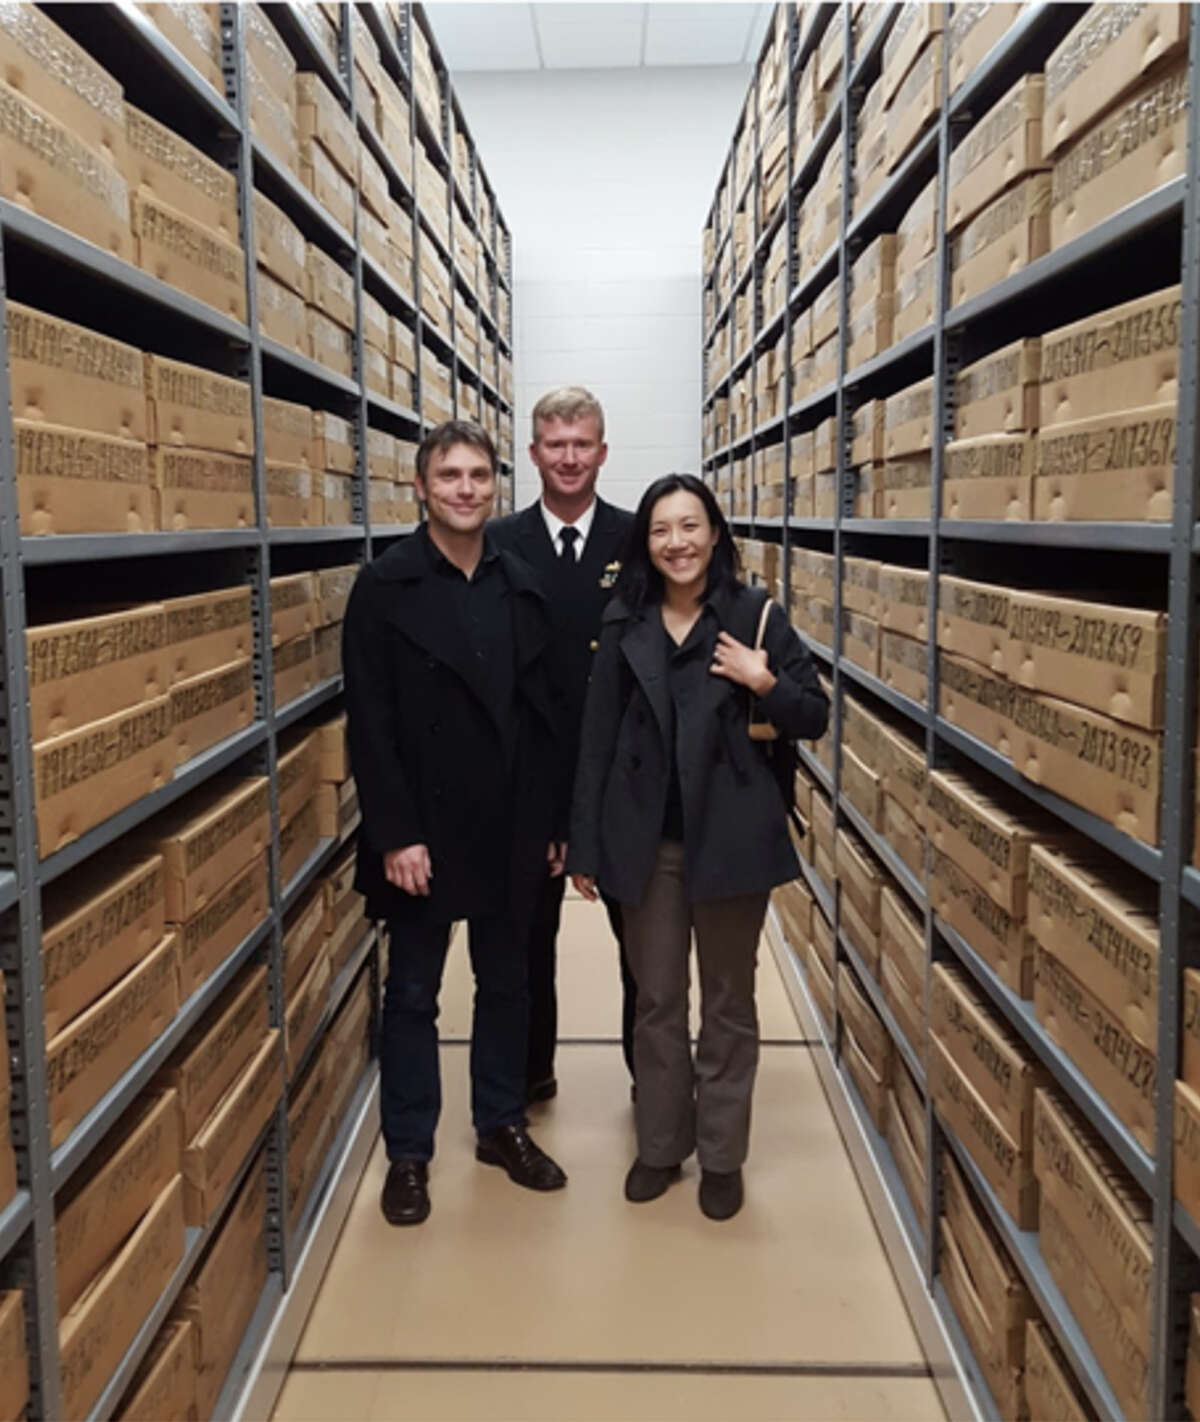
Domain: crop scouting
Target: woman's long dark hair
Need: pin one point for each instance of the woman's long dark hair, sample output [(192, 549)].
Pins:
[(640, 582)]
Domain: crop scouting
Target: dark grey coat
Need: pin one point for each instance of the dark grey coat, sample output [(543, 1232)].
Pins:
[(735, 825)]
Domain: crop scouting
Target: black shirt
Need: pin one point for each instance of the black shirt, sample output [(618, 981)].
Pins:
[(481, 607), (685, 663)]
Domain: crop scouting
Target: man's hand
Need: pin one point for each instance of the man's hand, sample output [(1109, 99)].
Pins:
[(585, 884), (736, 662), (556, 857), (409, 869)]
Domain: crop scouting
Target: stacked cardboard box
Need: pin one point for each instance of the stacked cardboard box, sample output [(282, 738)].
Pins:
[(271, 72), (195, 31), (220, 1298), (972, 31), (912, 76), (866, 1045), (1095, 1234), (8, 1160), (14, 1357), (184, 216), (905, 1133), (437, 402), (1116, 112), (871, 301), (120, 1235), (987, 1294), (870, 154), (1109, 391), (63, 147), (334, 454)]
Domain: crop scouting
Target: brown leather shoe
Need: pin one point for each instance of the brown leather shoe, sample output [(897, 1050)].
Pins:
[(405, 1198), (511, 1148)]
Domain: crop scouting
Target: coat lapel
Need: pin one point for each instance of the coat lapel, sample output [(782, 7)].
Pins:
[(644, 646)]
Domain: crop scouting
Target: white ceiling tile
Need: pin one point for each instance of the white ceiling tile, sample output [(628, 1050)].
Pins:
[(485, 36), (701, 42), (590, 36)]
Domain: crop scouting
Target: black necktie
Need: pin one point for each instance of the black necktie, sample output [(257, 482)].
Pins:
[(568, 537)]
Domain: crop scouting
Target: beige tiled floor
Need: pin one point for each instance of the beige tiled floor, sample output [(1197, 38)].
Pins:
[(427, 1324)]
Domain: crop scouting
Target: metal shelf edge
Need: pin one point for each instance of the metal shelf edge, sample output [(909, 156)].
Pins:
[(1117, 537), (343, 384), (40, 550), (15, 1219), (321, 693), (899, 871), (334, 533), (336, 995), (883, 1011), (896, 699), (8, 889)]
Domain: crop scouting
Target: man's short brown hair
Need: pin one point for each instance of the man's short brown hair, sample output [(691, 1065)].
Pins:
[(568, 402), (444, 437)]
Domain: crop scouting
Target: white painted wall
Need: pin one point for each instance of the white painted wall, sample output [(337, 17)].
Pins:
[(605, 177)]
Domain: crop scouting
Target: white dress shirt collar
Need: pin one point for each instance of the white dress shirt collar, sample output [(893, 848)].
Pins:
[(582, 525)]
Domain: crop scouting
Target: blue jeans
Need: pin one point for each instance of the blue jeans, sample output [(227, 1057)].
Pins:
[(410, 1094)]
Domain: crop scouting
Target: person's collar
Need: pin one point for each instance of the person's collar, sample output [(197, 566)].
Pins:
[(439, 560), (555, 525)]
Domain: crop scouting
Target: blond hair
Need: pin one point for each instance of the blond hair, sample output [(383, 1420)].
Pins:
[(567, 402)]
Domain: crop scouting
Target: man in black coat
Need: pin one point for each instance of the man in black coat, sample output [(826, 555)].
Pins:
[(454, 726), (574, 541)]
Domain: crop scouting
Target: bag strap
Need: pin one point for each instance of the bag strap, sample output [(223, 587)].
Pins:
[(762, 623)]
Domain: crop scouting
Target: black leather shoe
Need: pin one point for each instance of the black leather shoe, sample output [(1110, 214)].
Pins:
[(721, 1193), (511, 1148), (405, 1198), (647, 1182), (545, 1090)]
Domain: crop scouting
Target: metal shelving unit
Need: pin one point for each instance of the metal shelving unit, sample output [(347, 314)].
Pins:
[(145, 310), (1022, 304)]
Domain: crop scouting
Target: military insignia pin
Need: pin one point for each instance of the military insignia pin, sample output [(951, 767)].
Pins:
[(610, 575)]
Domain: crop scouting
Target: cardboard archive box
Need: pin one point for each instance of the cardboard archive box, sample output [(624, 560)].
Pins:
[(310, 1131), (291, 501), (860, 640), (1119, 466), (1006, 236), (66, 375), (333, 591), (901, 762), (862, 786), (94, 1335), (793, 903), (122, 1180), (1122, 1360), (908, 420), (337, 808), (294, 609), (72, 481), (295, 668), (903, 666), (914, 105), (97, 924), (989, 477), (332, 343), (208, 630), (208, 839), (83, 777), (986, 1294), (200, 488), (332, 443), (902, 940), (976, 702), (861, 878), (908, 1160), (904, 599), (220, 1298), (91, 667), (304, 1010), (14, 1357), (1111, 769), (1004, 146), (999, 394), (1128, 153), (915, 26), (905, 836), (985, 1051), (303, 935), (93, 1051), (1104, 55), (1122, 358), (972, 31), (197, 408), (297, 840), (915, 301), (165, 1383), (1111, 659), (1003, 1161), (280, 248), (973, 621), (180, 251), (872, 1088), (195, 31), (330, 285), (289, 433), (321, 118), (1050, 1385), (211, 934), (211, 707), (282, 314), (1001, 940), (298, 771), (1109, 1216), (870, 1034), (214, 1156), (987, 833), (175, 174), (916, 232), (1102, 926)]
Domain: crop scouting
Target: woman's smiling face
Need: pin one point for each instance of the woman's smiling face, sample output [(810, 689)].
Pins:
[(681, 539)]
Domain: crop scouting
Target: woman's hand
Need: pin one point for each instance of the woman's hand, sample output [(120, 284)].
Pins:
[(736, 662), (585, 884)]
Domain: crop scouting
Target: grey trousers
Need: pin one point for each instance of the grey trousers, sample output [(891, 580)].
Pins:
[(683, 1107)]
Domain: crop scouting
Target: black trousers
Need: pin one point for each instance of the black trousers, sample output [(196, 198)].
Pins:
[(410, 1087), (543, 966)]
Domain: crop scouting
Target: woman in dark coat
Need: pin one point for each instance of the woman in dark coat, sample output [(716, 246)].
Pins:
[(678, 814)]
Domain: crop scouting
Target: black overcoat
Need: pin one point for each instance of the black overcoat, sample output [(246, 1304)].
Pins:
[(735, 825), (427, 752), (577, 594)]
